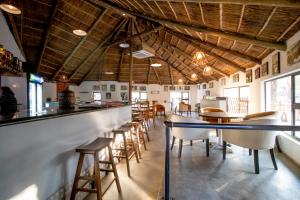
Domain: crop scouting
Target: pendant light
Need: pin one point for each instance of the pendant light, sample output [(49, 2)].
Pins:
[(199, 58), (207, 71), (9, 6)]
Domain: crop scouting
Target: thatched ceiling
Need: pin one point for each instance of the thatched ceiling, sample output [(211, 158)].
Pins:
[(234, 34)]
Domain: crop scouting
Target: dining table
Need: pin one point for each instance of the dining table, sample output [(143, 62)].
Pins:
[(222, 116)]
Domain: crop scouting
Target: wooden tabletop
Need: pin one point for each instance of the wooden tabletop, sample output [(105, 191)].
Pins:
[(222, 115)]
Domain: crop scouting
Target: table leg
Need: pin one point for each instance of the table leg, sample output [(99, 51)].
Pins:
[(219, 146)]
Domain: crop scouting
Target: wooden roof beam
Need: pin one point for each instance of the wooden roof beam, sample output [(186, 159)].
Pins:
[(157, 77), (108, 38), (200, 42), (278, 3), (46, 35), (171, 75), (204, 29), (77, 47)]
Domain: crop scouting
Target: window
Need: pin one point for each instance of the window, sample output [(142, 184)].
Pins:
[(237, 92), (96, 96), (177, 97), (237, 99), (137, 96), (283, 95)]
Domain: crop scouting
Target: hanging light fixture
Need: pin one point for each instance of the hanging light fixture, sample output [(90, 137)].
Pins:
[(8, 6), (207, 71), (124, 45), (199, 58), (194, 76), (156, 65), (180, 80)]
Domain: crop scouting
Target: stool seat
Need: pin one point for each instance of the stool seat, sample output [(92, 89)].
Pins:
[(122, 129), (95, 146)]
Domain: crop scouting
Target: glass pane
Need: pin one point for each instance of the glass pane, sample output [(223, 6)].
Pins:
[(39, 98), (135, 96), (97, 96), (278, 98), (245, 92), (297, 122), (297, 89), (32, 98), (231, 92), (143, 95), (185, 95)]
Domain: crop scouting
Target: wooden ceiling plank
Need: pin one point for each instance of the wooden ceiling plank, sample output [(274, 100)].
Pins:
[(187, 12), (120, 64), (278, 3), (46, 35), (108, 38), (140, 5), (267, 21), (204, 29), (152, 10), (200, 42), (159, 8), (241, 19), (221, 15), (171, 75), (288, 29), (174, 13), (78, 46), (149, 71), (131, 4)]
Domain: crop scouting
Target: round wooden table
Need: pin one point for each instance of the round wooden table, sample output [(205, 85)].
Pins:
[(220, 116)]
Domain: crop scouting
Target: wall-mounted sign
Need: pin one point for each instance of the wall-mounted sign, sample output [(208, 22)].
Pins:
[(36, 79)]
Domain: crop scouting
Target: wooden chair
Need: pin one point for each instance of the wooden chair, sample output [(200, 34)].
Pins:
[(160, 109), (93, 149), (183, 107)]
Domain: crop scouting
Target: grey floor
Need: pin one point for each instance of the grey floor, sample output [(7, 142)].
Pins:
[(195, 176)]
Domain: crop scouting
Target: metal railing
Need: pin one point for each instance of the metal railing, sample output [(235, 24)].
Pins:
[(170, 124)]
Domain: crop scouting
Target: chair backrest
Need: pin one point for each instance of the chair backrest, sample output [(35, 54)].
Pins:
[(262, 115), (183, 107), (212, 119), (211, 109), (252, 139)]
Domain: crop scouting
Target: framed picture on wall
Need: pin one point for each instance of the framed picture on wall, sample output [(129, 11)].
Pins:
[(123, 87), (166, 88), (211, 84), (199, 87), (207, 93), (112, 88), (124, 96), (236, 78), (104, 88), (172, 87), (265, 69), (249, 76), (257, 73), (143, 88), (223, 81), (187, 87), (179, 88), (134, 88), (276, 63), (108, 95), (293, 55), (96, 87)]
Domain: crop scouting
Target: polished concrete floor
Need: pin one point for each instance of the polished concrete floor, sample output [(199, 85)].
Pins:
[(195, 177)]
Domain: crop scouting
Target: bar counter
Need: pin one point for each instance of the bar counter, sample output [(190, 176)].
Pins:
[(38, 155)]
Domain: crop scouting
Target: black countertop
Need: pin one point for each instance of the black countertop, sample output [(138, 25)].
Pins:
[(48, 113)]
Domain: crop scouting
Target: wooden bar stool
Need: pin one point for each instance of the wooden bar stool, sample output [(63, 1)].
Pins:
[(137, 131), (127, 148), (94, 148), (143, 127)]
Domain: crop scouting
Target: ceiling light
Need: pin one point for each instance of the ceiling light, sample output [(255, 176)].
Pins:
[(79, 32), (180, 80), (194, 76), (9, 7), (207, 71), (124, 14), (124, 45), (109, 73), (155, 65), (199, 58)]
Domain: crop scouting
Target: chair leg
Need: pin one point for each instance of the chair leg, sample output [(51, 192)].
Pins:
[(217, 132), (256, 161), (250, 152), (273, 159), (76, 180), (173, 141), (180, 148), (191, 142), (224, 149), (126, 155), (207, 147), (277, 144), (97, 176), (111, 159)]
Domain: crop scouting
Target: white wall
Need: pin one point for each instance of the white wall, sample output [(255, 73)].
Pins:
[(19, 86), (49, 91)]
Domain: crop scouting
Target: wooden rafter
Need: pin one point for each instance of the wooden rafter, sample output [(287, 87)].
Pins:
[(210, 53), (131, 62), (200, 42), (77, 47), (46, 35), (288, 29), (149, 6), (120, 65), (171, 75), (267, 21), (155, 72), (203, 29), (149, 71), (108, 38), (278, 3)]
